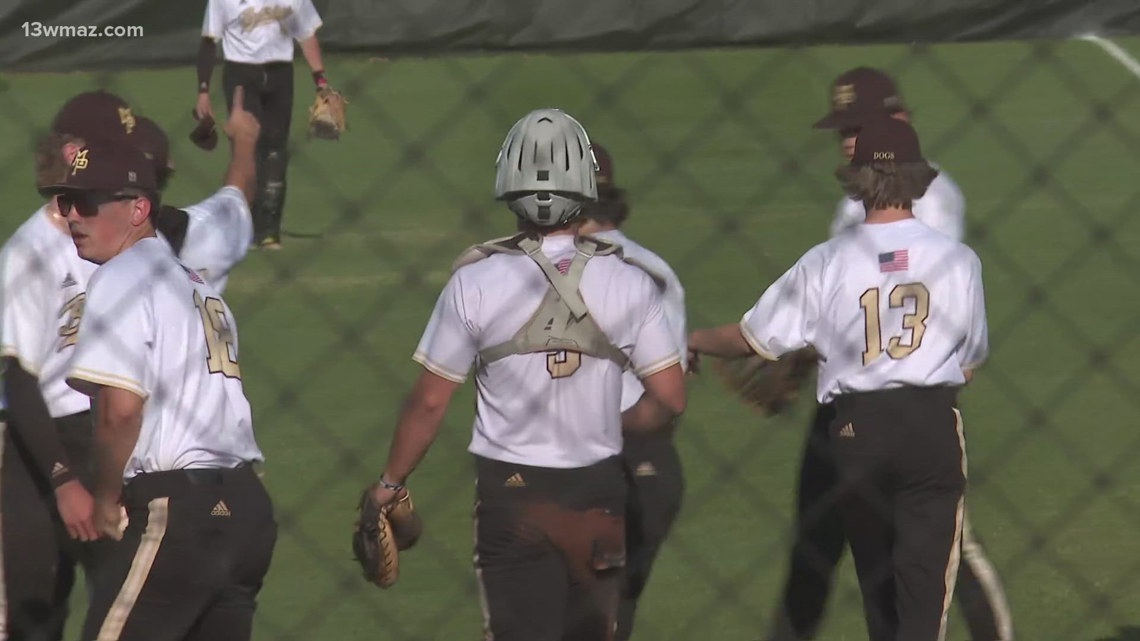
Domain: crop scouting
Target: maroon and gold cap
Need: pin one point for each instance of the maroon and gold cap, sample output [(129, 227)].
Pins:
[(886, 139), (109, 167), (860, 94), (95, 114)]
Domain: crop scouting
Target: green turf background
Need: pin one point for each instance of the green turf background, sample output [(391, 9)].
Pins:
[(731, 185)]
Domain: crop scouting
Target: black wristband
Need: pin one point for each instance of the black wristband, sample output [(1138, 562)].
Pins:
[(395, 487)]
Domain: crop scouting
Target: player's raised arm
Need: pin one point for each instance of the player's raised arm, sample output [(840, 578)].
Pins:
[(243, 130)]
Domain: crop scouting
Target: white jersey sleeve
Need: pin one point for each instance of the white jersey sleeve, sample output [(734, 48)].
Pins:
[(943, 208), (848, 213), (27, 321), (785, 317), (112, 347), (448, 346), (218, 235), (305, 20), (655, 347), (215, 21), (975, 348)]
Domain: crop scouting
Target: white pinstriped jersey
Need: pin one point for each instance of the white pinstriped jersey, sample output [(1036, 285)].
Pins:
[(42, 297), (551, 409), (259, 31), (942, 208), (672, 301), (153, 327), (885, 305)]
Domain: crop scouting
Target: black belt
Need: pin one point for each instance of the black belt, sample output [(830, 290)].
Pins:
[(170, 482)]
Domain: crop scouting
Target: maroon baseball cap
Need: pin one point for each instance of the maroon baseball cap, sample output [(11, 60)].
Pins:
[(152, 141), (95, 114), (109, 167), (860, 94), (886, 139), (605, 173)]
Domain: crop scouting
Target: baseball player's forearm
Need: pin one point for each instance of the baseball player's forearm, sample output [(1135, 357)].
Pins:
[(118, 419), (242, 172), (725, 341), (311, 50), (33, 425), (663, 401), (419, 424), (207, 57)]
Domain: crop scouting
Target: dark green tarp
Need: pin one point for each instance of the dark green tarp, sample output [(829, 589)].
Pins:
[(392, 27)]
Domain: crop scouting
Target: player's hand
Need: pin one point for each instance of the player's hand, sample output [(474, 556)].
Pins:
[(77, 509), (203, 108), (241, 123), (383, 496), (693, 362), (109, 519)]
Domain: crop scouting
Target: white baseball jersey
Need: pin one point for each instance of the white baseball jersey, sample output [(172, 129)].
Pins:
[(155, 328), (218, 235), (942, 207), (672, 302), (42, 297), (259, 31), (885, 305), (555, 409)]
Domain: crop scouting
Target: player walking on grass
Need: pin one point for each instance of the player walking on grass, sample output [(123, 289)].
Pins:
[(897, 313), (157, 351), (257, 39), (549, 320), (42, 300), (651, 461), (857, 95)]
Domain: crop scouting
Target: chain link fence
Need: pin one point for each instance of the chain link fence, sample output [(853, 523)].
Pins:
[(729, 183)]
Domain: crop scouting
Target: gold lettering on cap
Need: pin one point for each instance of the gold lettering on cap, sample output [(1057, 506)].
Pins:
[(127, 119), (132, 177), (883, 155), (842, 96), (80, 162)]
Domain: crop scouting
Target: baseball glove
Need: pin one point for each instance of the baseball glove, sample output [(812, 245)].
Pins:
[(204, 135), (380, 533), (327, 118), (765, 385)]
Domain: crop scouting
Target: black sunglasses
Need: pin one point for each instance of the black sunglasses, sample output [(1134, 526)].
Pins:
[(87, 204)]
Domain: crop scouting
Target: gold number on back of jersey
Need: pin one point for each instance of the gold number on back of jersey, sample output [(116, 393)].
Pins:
[(220, 349), (69, 331), (563, 364), (915, 322)]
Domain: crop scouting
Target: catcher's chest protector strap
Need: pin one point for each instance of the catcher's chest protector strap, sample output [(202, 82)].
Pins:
[(562, 321)]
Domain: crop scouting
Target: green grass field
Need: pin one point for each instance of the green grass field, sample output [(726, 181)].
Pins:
[(731, 185)]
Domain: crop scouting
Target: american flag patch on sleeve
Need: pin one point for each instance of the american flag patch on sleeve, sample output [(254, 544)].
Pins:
[(895, 261)]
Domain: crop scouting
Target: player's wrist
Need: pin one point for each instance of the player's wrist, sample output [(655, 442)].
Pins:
[(203, 88), (319, 79), (387, 483)]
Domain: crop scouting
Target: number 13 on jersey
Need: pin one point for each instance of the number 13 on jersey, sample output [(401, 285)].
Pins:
[(915, 321), (220, 349)]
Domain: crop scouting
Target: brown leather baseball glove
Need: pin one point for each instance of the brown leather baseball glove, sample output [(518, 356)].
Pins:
[(381, 532), (765, 385), (327, 114)]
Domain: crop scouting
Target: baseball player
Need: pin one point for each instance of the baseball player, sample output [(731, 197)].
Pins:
[(214, 235), (549, 320), (896, 312), (49, 444), (257, 47), (651, 461), (857, 95), (157, 351), (47, 524)]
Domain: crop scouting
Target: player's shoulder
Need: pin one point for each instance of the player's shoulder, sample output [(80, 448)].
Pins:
[(943, 193)]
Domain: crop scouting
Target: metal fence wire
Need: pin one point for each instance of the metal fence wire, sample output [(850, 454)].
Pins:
[(730, 184)]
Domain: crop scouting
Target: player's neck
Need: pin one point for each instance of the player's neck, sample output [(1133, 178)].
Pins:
[(887, 215)]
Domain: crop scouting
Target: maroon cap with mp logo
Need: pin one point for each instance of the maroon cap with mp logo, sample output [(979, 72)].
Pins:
[(108, 167), (858, 95), (95, 114)]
